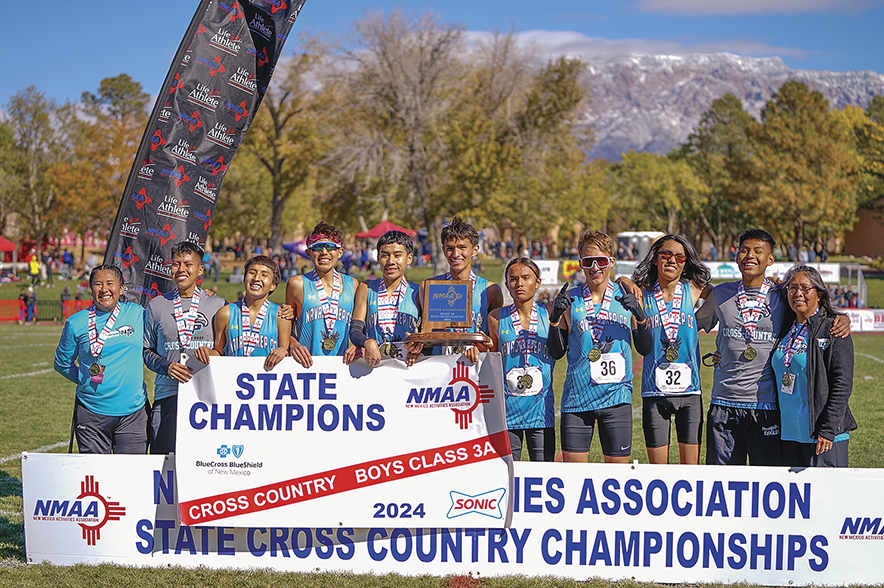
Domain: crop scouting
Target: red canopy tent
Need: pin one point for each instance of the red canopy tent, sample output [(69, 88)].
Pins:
[(381, 228), (7, 246)]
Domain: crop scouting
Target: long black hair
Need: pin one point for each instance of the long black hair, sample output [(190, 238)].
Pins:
[(645, 274), (822, 291)]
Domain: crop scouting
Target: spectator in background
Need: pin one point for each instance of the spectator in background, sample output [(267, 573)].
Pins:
[(32, 305), (850, 298), (824, 254), (67, 267), (792, 252), (713, 252), (34, 269), (22, 305)]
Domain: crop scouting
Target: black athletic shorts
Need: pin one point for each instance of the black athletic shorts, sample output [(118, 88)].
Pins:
[(615, 430), (733, 434), (657, 413)]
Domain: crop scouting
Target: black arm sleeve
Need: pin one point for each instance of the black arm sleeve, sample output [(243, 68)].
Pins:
[(557, 342), (357, 333), (642, 338)]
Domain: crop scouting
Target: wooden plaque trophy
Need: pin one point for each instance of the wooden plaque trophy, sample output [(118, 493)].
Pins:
[(447, 305)]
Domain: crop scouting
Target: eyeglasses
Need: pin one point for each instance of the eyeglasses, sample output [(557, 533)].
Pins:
[(599, 260), (793, 289), (327, 245), (667, 255)]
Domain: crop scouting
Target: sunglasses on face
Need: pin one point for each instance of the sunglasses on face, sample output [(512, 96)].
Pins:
[(667, 255), (328, 246), (600, 260)]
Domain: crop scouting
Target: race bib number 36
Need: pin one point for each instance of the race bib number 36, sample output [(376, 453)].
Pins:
[(673, 378), (609, 369)]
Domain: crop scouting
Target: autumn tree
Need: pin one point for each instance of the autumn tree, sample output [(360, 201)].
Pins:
[(798, 179), (713, 150)]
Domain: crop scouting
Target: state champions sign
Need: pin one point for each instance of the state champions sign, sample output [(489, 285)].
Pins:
[(425, 445)]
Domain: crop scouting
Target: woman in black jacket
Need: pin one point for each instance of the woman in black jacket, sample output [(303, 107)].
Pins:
[(815, 375)]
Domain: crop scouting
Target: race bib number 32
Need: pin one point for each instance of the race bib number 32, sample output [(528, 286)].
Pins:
[(673, 378)]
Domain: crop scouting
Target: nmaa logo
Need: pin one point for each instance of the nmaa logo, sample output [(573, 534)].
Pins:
[(90, 510), (488, 504), (862, 528), (462, 395)]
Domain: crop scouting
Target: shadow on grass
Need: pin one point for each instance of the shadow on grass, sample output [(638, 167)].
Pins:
[(12, 540), (9, 486)]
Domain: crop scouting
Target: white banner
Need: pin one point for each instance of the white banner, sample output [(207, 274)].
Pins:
[(865, 320), (421, 445), (678, 524), (549, 271)]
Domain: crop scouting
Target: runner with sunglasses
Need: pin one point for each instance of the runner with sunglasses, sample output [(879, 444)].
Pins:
[(322, 299), (673, 280), (386, 309), (520, 332), (592, 324)]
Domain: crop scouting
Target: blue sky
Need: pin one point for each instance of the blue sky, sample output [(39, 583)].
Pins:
[(66, 48)]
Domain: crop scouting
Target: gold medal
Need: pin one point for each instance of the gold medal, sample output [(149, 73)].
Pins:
[(788, 379), (594, 354), (525, 382), (749, 353), (328, 343), (458, 349), (385, 349), (671, 354), (95, 369)]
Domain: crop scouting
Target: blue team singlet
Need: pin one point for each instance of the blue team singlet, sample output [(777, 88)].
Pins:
[(311, 322), (407, 316), (660, 376), (606, 382), (267, 336), (529, 404)]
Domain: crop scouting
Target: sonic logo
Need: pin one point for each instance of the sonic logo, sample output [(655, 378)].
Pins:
[(90, 510), (141, 198), (488, 503), (462, 395), (127, 257), (217, 165), (214, 66), (157, 140), (233, 10)]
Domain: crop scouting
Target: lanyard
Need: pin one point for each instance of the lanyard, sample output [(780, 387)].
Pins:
[(250, 333), (603, 312), (389, 305), (329, 304), (751, 312), (669, 325), (96, 340), (524, 335), (186, 323), (797, 334)]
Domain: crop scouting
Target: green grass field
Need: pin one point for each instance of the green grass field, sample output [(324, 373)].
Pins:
[(35, 413)]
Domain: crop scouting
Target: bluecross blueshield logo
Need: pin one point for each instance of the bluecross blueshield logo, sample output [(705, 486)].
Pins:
[(236, 450), (487, 503)]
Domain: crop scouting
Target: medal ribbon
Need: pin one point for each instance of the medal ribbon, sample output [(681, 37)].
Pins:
[(670, 327), (250, 333), (751, 312), (389, 305), (524, 335), (185, 324), (595, 320), (329, 304), (96, 340), (797, 334)]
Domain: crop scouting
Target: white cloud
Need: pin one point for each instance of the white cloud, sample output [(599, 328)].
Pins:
[(555, 43), (746, 7)]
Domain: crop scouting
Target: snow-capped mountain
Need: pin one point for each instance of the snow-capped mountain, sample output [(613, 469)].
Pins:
[(653, 102)]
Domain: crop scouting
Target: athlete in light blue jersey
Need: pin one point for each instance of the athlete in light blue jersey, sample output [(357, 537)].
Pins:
[(386, 309), (322, 299), (460, 243), (596, 320), (253, 326), (673, 279), (520, 332), (100, 351)]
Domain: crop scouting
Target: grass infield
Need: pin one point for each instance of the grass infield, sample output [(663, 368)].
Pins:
[(35, 415)]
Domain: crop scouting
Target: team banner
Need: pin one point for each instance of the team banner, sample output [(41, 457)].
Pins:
[(213, 89), (422, 445), (664, 524)]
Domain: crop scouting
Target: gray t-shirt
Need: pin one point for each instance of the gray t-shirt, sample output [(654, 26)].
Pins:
[(738, 381), (161, 345)]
